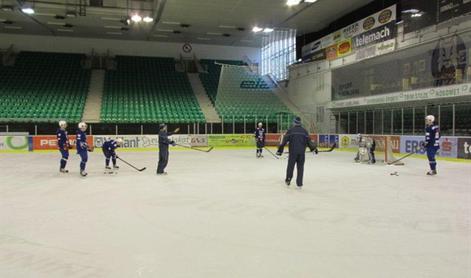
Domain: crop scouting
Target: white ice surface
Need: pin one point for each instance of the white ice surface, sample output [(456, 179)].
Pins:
[(228, 214)]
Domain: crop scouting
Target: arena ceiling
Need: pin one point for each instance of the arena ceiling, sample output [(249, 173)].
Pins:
[(222, 22)]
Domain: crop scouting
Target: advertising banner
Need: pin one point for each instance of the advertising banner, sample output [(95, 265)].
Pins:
[(448, 145), (152, 141), (372, 24), (14, 143), (423, 94), (273, 139), (380, 34), (231, 140), (349, 141), (326, 141), (344, 48), (464, 147), (49, 142), (331, 52)]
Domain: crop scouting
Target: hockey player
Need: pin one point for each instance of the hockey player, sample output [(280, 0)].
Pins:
[(82, 147), (432, 144), (109, 150), (366, 149), (63, 145), (298, 139), (260, 139), (164, 142)]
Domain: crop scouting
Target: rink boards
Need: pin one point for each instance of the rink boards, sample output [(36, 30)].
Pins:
[(451, 147)]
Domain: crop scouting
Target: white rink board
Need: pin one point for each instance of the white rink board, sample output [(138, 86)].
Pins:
[(227, 214)]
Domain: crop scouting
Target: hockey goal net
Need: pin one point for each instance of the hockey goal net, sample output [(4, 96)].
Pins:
[(389, 148)]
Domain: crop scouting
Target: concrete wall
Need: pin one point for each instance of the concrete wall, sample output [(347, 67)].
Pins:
[(124, 47)]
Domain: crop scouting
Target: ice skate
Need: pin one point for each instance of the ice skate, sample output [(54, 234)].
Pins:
[(432, 173), (64, 171), (83, 173)]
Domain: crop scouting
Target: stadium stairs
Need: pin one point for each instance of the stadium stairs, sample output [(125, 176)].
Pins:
[(92, 108), (205, 103)]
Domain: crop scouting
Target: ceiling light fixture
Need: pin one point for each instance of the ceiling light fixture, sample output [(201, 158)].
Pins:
[(13, 27), (27, 10), (171, 22), (293, 2), (136, 18), (148, 19), (310, 1), (416, 15), (268, 30), (411, 11), (257, 29)]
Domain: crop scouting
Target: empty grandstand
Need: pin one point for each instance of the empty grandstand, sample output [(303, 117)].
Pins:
[(148, 90), (43, 87)]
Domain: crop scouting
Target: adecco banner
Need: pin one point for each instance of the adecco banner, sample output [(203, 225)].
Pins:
[(464, 148), (152, 141), (14, 143), (448, 145), (49, 142)]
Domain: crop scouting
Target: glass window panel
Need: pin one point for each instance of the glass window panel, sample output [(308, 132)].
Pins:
[(397, 121), (462, 122), (378, 122), (353, 123), (361, 122), (408, 121), (387, 122), (446, 120), (369, 122), (419, 120)]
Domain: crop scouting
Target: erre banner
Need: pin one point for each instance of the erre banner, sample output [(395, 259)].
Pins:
[(14, 143), (448, 145), (370, 25), (424, 94), (49, 142)]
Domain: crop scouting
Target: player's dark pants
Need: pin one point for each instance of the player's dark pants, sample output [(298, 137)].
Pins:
[(109, 155), (431, 153), (163, 160), (260, 146), (65, 157), (84, 157), (298, 160)]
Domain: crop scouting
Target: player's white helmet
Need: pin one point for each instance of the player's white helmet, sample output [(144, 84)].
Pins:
[(82, 126), (260, 124), (430, 119), (119, 141), (62, 124)]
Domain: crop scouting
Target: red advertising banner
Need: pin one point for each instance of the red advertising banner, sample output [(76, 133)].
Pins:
[(49, 142)]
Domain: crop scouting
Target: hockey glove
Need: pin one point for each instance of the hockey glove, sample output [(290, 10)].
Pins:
[(315, 151), (173, 143)]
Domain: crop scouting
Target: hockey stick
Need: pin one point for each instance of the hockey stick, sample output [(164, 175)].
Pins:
[(323, 151), (404, 157), (196, 149), (129, 164), (274, 155), (329, 150)]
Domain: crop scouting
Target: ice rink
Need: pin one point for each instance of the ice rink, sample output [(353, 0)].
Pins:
[(227, 214)]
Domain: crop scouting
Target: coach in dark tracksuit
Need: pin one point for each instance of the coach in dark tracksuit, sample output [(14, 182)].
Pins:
[(298, 139), (164, 142)]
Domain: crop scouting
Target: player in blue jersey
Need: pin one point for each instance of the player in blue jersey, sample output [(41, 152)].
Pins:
[(109, 150), (82, 147), (260, 139), (63, 145), (432, 143)]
